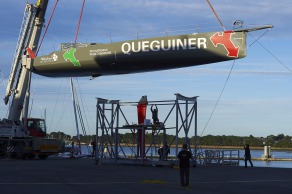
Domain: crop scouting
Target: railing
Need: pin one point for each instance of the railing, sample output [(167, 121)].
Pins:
[(223, 157), (170, 31)]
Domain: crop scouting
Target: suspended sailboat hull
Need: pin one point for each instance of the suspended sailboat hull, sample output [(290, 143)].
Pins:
[(142, 55)]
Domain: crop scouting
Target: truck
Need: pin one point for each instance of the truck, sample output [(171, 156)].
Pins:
[(20, 136)]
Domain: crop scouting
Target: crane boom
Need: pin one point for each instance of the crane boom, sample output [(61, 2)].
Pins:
[(29, 39), (22, 41)]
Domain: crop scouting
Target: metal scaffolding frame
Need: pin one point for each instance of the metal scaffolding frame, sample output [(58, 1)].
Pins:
[(181, 115)]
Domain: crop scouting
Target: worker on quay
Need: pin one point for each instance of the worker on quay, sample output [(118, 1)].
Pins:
[(247, 156), (184, 157), (93, 148)]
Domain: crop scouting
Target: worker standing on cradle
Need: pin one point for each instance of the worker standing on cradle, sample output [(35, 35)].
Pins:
[(155, 114)]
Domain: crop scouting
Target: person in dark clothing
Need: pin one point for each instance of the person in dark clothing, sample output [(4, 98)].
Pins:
[(247, 156), (93, 148), (165, 151), (160, 153), (155, 114), (72, 149), (184, 157)]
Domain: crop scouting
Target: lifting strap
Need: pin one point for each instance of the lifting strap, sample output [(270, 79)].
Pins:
[(80, 17), (53, 11), (216, 15)]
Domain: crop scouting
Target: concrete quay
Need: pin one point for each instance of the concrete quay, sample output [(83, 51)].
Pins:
[(80, 176)]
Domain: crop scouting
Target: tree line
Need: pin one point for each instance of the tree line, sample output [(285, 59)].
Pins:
[(278, 141)]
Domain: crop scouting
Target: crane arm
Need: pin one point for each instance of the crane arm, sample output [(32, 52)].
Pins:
[(19, 81)]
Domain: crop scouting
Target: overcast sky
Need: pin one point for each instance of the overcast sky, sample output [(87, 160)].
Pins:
[(258, 94)]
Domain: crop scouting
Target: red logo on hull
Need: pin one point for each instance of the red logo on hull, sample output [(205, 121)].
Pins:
[(225, 40)]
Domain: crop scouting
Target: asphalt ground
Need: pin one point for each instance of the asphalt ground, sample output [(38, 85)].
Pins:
[(72, 176)]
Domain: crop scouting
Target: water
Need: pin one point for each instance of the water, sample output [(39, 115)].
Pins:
[(275, 154), (273, 164), (254, 153)]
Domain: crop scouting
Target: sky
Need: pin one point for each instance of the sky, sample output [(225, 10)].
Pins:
[(255, 101)]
